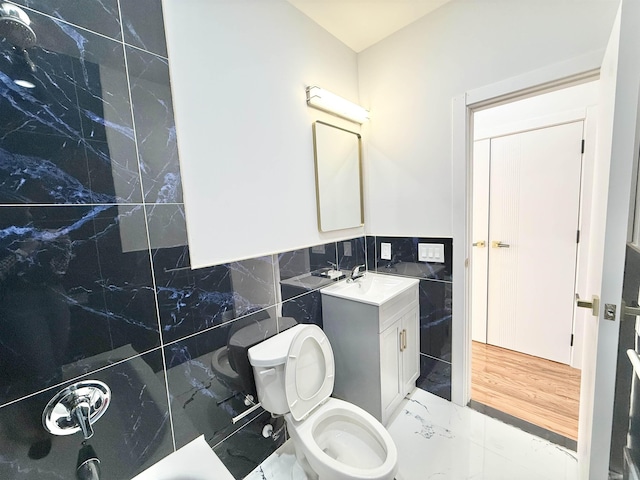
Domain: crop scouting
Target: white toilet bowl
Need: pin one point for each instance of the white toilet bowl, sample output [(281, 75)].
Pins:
[(342, 442), (334, 439)]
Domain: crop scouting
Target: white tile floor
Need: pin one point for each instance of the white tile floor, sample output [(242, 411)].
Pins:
[(439, 440)]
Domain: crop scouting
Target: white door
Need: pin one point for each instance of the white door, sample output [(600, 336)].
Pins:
[(617, 149), (533, 224)]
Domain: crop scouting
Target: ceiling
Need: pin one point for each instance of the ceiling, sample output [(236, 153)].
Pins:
[(361, 23)]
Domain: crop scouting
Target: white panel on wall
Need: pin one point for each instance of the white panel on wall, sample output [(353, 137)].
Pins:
[(409, 79), (238, 73)]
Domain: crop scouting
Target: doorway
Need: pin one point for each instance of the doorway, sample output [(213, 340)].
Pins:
[(529, 165)]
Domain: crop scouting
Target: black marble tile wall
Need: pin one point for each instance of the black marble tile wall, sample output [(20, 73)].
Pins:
[(435, 376), (95, 274), (155, 126), (404, 258), (370, 247), (140, 20), (205, 390), (191, 301), (351, 253), (134, 432), (95, 278), (306, 261), (246, 449), (435, 303)]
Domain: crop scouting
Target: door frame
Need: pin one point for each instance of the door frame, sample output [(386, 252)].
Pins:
[(578, 70), (587, 115), (618, 146), (575, 71)]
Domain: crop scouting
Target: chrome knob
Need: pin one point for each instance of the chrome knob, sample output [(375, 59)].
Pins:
[(76, 408)]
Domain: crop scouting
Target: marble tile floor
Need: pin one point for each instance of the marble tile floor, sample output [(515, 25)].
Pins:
[(439, 440)]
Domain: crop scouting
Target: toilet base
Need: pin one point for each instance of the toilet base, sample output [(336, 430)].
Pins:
[(302, 461)]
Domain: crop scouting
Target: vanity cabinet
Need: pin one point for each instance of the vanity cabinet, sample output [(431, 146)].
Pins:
[(376, 347)]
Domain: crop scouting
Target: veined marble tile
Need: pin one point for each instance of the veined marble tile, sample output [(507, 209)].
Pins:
[(439, 440), (465, 444), (280, 464)]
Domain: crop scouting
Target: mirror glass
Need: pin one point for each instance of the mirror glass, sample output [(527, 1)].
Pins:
[(338, 177)]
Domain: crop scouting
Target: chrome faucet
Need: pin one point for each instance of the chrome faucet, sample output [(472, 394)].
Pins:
[(356, 273)]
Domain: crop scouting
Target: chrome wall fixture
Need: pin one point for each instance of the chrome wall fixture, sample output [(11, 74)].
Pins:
[(330, 102), (15, 28), (76, 408)]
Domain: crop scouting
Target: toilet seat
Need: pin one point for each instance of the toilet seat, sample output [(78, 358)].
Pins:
[(309, 371)]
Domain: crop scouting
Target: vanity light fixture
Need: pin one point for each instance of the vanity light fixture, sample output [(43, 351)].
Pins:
[(332, 103)]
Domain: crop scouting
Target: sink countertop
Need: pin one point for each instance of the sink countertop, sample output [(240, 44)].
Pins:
[(373, 288)]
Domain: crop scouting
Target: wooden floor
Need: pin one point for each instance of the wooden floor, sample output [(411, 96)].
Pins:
[(533, 389)]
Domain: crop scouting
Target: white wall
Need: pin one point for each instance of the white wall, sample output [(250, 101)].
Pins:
[(239, 71), (408, 81), (542, 110)]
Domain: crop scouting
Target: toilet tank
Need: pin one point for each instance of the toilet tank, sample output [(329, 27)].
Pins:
[(268, 360)]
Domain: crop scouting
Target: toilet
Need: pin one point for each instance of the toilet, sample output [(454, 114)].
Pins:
[(333, 439)]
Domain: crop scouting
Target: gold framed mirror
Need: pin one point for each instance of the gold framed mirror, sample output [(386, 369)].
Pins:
[(338, 161)]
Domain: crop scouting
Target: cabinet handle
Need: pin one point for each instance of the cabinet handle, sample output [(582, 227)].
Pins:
[(403, 340)]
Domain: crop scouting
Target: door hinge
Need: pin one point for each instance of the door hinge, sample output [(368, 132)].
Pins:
[(572, 339), (582, 147), (578, 237)]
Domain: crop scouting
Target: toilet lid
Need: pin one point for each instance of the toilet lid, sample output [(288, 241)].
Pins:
[(309, 371)]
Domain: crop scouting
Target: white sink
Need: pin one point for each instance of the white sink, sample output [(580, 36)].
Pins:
[(373, 288), (194, 461)]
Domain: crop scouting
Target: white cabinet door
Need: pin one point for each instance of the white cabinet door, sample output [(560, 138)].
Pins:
[(410, 351), (390, 364)]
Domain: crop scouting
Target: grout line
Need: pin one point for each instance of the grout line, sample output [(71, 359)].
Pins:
[(147, 51), (155, 299), (146, 225), (107, 37), (214, 327), (77, 377), (435, 358), (236, 431)]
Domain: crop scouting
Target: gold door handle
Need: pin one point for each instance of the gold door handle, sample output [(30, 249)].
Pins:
[(594, 304), (480, 244), (499, 244)]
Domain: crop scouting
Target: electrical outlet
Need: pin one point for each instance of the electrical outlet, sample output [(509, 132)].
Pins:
[(385, 251)]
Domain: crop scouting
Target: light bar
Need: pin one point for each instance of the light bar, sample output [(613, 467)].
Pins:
[(332, 103)]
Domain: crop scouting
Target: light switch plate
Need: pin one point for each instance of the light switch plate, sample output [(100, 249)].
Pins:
[(347, 249), (385, 251), (431, 252)]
